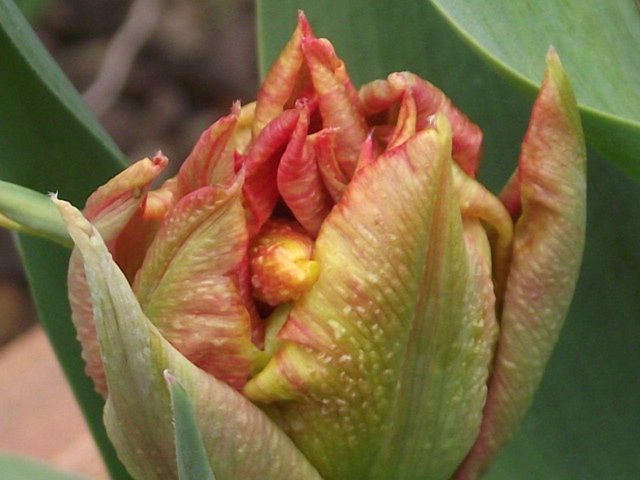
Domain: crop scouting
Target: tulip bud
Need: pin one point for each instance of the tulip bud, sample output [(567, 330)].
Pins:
[(414, 310)]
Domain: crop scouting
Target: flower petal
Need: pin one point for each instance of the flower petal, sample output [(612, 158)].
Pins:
[(260, 187), (111, 207), (299, 179), (240, 441), (548, 244), (407, 305), (467, 136), (189, 282), (211, 161), (324, 145), (282, 81), (339, 105)]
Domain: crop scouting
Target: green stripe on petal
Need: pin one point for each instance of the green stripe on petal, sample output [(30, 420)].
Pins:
[(240, 441), (547, 250), (385, 360)]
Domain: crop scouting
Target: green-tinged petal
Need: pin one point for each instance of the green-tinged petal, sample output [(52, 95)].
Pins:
[(111, 207), (211, 160), (384, 365), (28, 211), (548, 244), (477, 202), (189, 282), (240, 441)]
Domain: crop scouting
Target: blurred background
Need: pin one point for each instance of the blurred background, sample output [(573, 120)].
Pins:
[(156, 73)]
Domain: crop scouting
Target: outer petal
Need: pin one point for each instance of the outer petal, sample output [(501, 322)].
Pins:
[(241, 442), (397, 299), (189, 284), (548, 244), (111, 207)]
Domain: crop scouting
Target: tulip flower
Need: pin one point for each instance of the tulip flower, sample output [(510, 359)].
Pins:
[(338, 295)]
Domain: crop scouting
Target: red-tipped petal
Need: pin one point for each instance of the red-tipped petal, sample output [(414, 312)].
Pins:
[(334, 180), (547, 250), (260, 187), (338, 106), (467, 136), (299, 179), (211, 161), (283, 79)]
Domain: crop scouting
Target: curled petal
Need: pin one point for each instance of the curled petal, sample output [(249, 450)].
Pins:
[(189, 282), (379, 95), (548, 244), (283, 79), (477, 202), (409, 306), (138, 412), (111, 207), (339, 107), (260, 187), (334, 180), (299, 179), (406, 123), (467, 136), (211, 161)]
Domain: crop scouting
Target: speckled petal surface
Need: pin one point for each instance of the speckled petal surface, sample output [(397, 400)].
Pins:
[(189, 282), (343, 385), (111, 207), (548, 244), (138, 410)]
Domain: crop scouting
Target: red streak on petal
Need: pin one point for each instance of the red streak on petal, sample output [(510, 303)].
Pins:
[(338, 103), (299, 179), (260, 188), (467, 136), (334, 180), (211, 161)]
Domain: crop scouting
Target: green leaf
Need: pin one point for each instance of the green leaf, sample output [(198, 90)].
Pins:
[(191, 455), (31, 212), (598, 42), (584, 422), (49, 141), (17, 468)]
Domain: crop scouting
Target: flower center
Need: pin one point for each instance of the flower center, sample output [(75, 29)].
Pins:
[(281, 265)]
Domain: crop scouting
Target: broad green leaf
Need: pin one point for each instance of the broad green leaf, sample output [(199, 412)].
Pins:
[(584, 423), (598, 41), (49, 141), (191, 456), (18, 468)]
